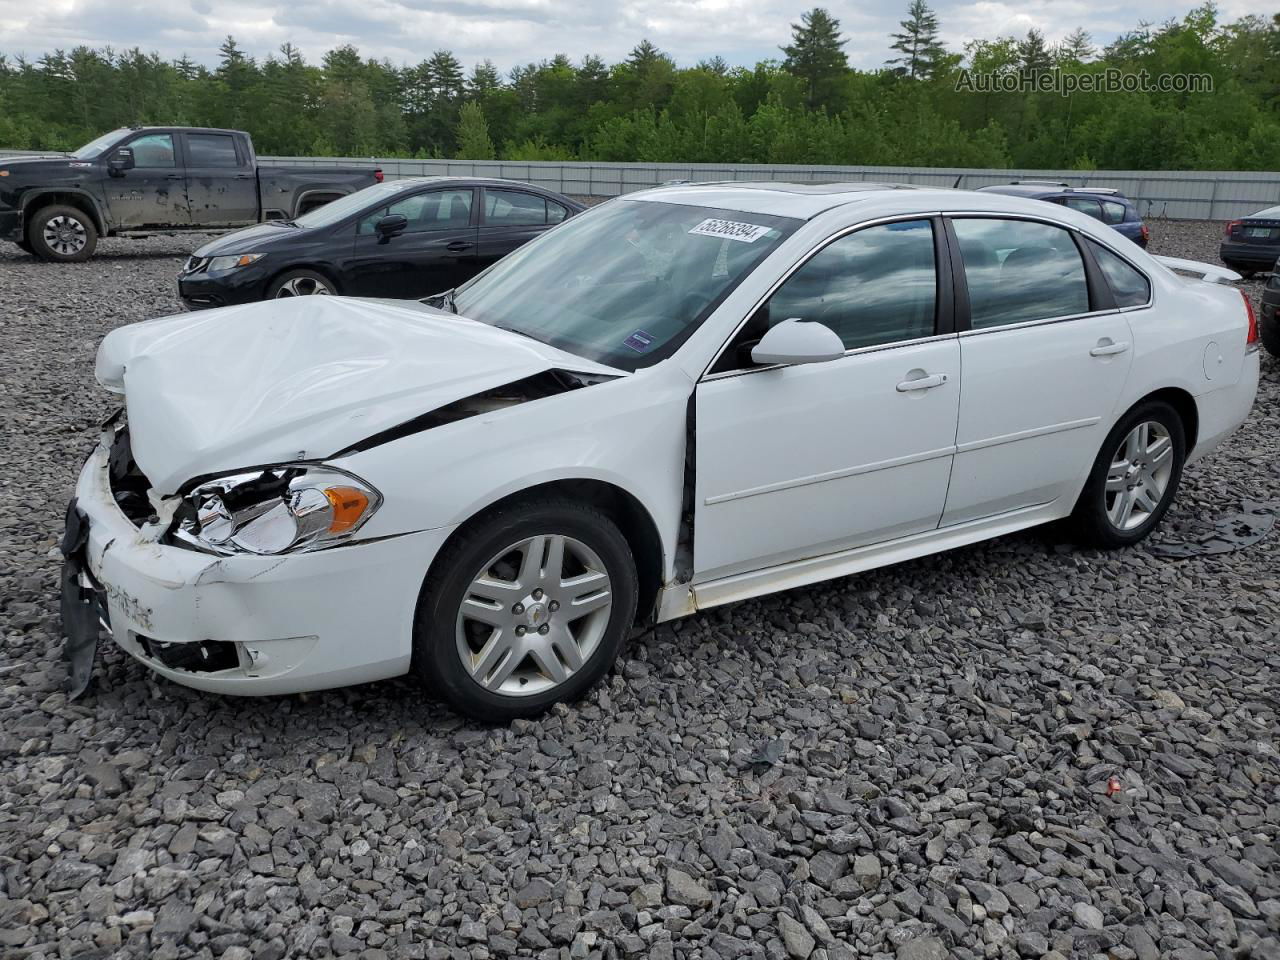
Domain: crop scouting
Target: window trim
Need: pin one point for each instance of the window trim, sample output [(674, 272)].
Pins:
[(484, 204), (944, 317), (1151, 287), (1098, 288)]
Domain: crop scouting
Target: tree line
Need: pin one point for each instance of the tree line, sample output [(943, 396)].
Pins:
[(805, 106)]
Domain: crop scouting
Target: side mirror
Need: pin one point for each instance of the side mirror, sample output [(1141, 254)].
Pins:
[(121, 161), (390, 226), (797, 341)]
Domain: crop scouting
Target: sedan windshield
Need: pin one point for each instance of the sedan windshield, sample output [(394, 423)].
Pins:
[(94, 148), (352, 203), (625, 283)]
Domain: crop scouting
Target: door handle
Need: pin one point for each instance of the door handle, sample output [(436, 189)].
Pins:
[(457, 246), (244, 176), (922, 383), (1107, 348), (174, 176)]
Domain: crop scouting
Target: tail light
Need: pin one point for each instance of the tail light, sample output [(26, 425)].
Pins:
[(1230, 228), (1251, 341), (377, 175), (1146, 233)]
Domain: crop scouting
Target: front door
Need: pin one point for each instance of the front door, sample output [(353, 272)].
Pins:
[(1043, 369), (154, 192), (805, 460), (222, 188), (436, 251)]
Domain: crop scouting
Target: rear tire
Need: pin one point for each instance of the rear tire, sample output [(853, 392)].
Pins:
[(301, 283), (1134, 478), (1269, 330), (62, 234), (527, 608)]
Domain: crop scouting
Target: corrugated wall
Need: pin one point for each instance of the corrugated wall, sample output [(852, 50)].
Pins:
[(1178, 195)]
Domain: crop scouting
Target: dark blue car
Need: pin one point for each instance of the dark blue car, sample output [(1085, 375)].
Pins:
[(1102, 203)]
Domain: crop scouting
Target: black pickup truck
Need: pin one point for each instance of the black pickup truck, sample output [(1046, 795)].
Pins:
[(140, 180)]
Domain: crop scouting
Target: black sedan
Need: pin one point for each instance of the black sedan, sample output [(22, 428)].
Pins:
[(1252, 244), (401, 239)]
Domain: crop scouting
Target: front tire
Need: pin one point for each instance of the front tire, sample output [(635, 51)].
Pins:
[(527, 608), (301, 283), (62, 234), (1134, 478)]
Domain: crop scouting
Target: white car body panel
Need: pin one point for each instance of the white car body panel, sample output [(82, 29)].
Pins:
[(800, 473), (299, 378)]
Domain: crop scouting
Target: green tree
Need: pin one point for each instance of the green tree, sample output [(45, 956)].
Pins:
[(473, 134), (922, 51), (816, 55)]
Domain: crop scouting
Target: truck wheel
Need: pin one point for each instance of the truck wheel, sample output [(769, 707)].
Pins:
[(1269, 328), (62, 234), (301, 283)]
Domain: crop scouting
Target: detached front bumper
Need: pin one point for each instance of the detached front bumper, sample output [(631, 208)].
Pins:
[(247, 624)]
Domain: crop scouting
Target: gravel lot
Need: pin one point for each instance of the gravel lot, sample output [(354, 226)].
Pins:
[(911, 763)]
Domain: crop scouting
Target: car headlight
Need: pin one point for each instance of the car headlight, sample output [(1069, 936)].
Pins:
[(230, 263), (287, 508)]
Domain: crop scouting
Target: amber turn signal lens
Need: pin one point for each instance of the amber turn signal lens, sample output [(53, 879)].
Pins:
[(349, 505)]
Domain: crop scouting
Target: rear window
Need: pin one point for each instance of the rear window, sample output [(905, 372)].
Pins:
[(211, 150), (1128, 285)]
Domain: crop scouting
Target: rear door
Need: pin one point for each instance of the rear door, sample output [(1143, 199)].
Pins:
[(222, 189), (510, 219), (154, 192), (1045, 357), (436, 251)]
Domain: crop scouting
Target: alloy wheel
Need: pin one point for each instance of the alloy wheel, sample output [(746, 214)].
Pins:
[(64, 235), (303, 287), (1139, 475), (533, 615)]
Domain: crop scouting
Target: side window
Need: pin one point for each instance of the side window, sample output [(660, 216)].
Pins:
[(153, 150), (876, 286), (1112, 212), (511, 208), (555, 212), (1084, 205), (211, 150), (433, 210), (1130, 288), (1020, 270)]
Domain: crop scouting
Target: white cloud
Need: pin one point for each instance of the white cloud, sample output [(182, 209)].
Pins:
[(518, 31)]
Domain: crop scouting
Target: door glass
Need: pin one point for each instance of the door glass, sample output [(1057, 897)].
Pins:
[(511, 208), (878, 285), (211, 150), (1129, 287), (153, 150), (434, 210), (1020, 270), (555, 212), (1084, 205), (1112, 212)]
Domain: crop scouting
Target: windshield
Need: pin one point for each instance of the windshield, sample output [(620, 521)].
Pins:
[(94, 148), (626, 282), (352, 203)]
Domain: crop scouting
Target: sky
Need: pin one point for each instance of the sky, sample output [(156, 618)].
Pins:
[(511, 32)]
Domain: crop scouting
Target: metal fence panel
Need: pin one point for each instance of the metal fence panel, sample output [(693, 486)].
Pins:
[(1178, 195)]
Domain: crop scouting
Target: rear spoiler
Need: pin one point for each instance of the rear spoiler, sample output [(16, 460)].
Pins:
[(1207, 272)]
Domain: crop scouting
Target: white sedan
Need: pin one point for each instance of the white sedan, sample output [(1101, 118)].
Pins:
[(678, 399)]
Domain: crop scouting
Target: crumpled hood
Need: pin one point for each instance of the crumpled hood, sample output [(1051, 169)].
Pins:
[(299, 379)]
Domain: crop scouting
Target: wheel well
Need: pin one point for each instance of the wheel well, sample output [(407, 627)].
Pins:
[(313, 200), (77, 200), (626, 511), (1185, 405), (324, 272)]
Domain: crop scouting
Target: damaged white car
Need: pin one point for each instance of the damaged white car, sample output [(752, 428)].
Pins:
[(678, 399)]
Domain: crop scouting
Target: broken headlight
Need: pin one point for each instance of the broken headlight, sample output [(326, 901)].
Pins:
[(287, 508)]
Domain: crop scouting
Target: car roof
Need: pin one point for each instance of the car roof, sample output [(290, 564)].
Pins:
[(411, 182), (803, 199)]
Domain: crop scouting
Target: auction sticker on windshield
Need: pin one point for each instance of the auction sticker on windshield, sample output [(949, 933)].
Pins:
[(730, 230)]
